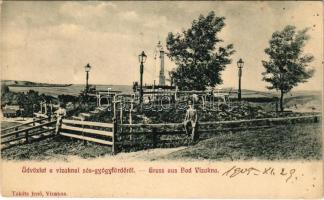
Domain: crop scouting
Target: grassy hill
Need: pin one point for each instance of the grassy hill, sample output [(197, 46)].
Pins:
[(57, 89), (73, 90), (14, 83)]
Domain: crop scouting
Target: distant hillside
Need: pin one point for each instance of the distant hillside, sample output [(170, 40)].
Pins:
[(12, 83), (73, 89), (271, 93)]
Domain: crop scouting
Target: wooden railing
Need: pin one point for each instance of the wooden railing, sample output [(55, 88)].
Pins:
[(107, 133), (24, 124), (314, 118), (205, 129), (25, 134), (102, 133)]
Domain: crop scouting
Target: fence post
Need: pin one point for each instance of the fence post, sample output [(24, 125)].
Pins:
[(114, 106), (41, 107), (51, 108), (121, 112), (34, 120), (154, 137), (26, 136), (196, 133), (17, 134), (114, 137), (130, 119), (85, 142)]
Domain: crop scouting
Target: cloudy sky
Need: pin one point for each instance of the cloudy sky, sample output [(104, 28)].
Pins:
[(52, 41)]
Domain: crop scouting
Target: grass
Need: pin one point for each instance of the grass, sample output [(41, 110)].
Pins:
[(52, 148), (288, 142), (5, 125), (57, 147)]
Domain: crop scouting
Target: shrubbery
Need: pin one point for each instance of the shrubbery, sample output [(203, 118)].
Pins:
[(29, 101), (64, 98)]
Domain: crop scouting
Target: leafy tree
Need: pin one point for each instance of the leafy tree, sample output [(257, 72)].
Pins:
[(287, 65), (7, 98), (4, 88), (197, 55), (29, 100)]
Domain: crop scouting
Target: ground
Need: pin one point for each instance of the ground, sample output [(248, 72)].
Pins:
[(5, 125), (296, 142), (288, 142)]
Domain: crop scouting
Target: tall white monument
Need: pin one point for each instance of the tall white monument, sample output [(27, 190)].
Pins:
[(161, 56)]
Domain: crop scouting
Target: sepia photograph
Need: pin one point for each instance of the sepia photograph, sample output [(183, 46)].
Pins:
[(153, 90)]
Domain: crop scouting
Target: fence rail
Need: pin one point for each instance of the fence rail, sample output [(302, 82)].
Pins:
[(24, 124), (29, 135), (86, 130), (154, 134), (107, 133), (25, 134), (88, 123), (87, 138), (278, 119), (173, 125), (72, 129), (27, 129)]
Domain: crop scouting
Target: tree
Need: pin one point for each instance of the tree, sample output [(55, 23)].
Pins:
[(4, 88), (287, 65), (199, 62)]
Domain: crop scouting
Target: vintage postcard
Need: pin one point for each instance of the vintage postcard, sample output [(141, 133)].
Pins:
[(162, 99)]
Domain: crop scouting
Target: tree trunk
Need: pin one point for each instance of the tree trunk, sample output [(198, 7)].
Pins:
[(281, 101)]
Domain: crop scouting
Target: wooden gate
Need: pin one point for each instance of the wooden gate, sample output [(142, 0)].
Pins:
[(102, 133), (26, 132)]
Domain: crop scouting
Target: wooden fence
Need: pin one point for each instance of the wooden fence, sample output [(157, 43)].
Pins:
[(102, 133), (156, 133), (23, 133), (123, 134)]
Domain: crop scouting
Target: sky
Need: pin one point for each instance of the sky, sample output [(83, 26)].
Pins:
[(51, 42)]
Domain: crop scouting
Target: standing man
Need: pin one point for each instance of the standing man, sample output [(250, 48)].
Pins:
[(60, 113), (191, 119)]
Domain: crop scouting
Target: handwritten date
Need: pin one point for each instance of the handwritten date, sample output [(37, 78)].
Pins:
[(236, 171)]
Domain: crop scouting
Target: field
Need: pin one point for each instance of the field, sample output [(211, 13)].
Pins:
[(74, 89), (291, 142)]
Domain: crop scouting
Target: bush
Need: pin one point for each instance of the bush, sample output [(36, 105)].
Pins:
[(29, 101), (67, 98)]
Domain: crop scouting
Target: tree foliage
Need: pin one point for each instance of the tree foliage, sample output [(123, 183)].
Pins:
[(287, 65), (29, 101), (199, 59), (4, 88)]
